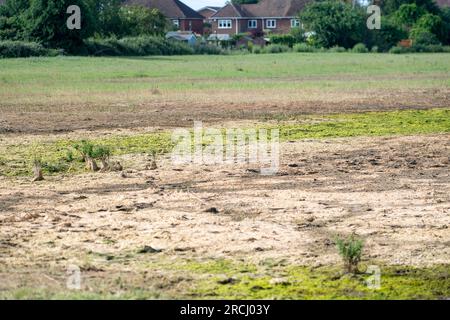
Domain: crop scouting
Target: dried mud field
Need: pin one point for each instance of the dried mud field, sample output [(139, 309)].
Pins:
[(394, 192), (364, 151)]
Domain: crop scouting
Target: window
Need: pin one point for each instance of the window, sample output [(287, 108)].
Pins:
[(225, 24), (271, 24), (295, 23), (176, 23), (252, 24)]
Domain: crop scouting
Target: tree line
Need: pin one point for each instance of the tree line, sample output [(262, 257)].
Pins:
[(44, 21)]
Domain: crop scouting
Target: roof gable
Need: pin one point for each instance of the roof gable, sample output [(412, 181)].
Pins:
[(264, 8), (170, 8)]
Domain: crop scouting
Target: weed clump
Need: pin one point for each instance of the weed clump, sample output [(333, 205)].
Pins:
[(350, 249), (92, 153)]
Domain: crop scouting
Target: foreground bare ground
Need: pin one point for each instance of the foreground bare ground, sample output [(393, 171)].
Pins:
[(393, 191)]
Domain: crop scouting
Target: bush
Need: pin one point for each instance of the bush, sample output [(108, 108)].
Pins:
[(360, 48), (303, 47), (138, 46), (350, 250), (283, 39), (207, 49), (423, 37), (429, 48), (375, 49), (337, 49), (257, 50), (22, 49), (276, 48), (400, 50)]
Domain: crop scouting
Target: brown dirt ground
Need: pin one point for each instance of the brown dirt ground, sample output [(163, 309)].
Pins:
[(116, 111), (392, 191)]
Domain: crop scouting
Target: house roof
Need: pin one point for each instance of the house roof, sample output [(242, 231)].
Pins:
[(443, 3), (264, 8), (215, 9), (170, 8)]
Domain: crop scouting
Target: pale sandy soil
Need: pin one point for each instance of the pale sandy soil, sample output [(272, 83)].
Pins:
[(394, 192)]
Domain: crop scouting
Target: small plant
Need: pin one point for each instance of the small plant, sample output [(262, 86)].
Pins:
[(360, 48), (350, 249), (91, 153)]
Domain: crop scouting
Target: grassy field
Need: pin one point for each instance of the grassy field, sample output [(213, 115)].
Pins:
[(70, 93), (55, 80)]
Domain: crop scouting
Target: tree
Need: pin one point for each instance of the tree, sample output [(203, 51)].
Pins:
[(390, 6), (45, 22), (429, 29), (107, 17), (408, 14), (334, 23), (138, 20), (11, 19)]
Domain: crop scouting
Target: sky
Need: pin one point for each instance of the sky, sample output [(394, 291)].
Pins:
[(197, 4)]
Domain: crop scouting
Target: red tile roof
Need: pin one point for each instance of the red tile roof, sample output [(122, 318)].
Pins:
[(265, 8), (170, 8)]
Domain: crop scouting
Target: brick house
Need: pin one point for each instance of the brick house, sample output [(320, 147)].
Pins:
[(207, 12), (182, 16), (267, 16)]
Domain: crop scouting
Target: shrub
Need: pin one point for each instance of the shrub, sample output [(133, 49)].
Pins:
[(22, 49), (91, 153), (303, 47), (400, 50), (337, 49), (429, 48), (423, 37), (350, 250), (283, 39), (207, 49), (257, 49), (138, 46), (276, 48), (375, 49), (360, 48)]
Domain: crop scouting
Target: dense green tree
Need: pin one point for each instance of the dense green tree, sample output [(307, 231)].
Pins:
[(45, 22), (390, 6), (137, 20), (334, 23), (107, 17), (11, 19)]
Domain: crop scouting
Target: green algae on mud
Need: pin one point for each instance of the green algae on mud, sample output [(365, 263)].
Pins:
[(230, 279), (16, 159)]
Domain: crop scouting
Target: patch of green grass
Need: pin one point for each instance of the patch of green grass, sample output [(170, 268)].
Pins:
[(230, 279), (297, 282), (59, 156), (403, 122)]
